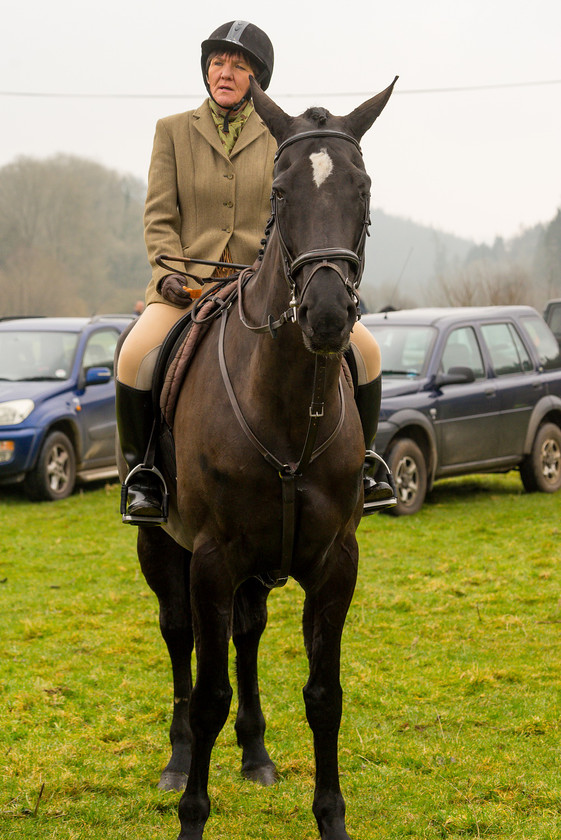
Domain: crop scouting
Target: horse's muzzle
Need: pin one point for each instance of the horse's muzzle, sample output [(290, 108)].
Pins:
[(326, 327)]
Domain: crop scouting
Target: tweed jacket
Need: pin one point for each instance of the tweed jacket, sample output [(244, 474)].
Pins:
[(199, 200)]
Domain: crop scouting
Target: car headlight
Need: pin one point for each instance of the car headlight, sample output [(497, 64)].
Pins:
[(15, 411)]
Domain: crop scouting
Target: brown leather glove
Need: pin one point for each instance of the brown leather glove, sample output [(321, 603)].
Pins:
[(172, 289)]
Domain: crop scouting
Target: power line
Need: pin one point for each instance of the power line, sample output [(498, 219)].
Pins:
[(412, 91)]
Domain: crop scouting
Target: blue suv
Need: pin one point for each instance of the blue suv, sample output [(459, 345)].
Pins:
[(57, 402)]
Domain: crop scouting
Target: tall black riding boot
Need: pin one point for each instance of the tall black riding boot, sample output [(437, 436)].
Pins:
[(144, 496), (378, 495)]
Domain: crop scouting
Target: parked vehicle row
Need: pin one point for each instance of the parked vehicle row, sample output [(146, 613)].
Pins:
[(468, 390), (57, 402), (465, 390)]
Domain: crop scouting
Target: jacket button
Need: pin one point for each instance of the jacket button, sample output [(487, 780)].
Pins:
[(228, 204), (229, 176)]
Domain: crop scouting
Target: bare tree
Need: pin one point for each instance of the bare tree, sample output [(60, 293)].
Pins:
[(485, 283)]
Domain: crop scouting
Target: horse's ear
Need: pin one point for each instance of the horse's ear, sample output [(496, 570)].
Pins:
[(360, 120), (276, 120)]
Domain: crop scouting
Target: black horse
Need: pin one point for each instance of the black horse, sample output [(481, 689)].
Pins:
[(269, 452)]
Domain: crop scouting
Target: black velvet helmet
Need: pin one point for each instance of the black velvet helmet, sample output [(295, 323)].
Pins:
[(247, 38)]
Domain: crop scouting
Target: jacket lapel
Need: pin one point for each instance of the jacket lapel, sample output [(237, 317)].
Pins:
[(203, 122), (253, 129), (205, 125)]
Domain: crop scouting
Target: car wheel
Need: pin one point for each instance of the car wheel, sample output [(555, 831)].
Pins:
[(541, 469), (55, 473), (409, 469)]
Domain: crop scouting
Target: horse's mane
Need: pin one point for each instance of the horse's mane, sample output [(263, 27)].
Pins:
[(317, 115)]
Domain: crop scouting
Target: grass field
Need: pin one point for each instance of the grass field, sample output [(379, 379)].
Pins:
[(451, 672)]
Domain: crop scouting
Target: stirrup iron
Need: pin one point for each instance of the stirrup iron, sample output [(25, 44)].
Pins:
[(135, 519), (376, 505)]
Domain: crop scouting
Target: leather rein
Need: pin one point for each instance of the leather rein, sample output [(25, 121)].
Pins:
[(288, 473)]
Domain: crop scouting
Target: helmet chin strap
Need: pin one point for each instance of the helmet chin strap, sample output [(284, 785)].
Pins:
[(237, 106)]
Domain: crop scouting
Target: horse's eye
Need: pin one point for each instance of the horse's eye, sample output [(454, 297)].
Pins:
[(279, 194)]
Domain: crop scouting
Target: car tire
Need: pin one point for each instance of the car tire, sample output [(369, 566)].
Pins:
[(409, 469), (54, 475), (541, 469)]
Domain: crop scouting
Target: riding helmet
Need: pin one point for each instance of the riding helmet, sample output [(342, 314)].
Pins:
[(247, 38)]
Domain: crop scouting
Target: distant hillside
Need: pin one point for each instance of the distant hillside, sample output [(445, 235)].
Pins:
[(403, 258)]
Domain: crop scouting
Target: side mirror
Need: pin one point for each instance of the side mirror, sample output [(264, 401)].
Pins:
[(456, 376), (98, 376)]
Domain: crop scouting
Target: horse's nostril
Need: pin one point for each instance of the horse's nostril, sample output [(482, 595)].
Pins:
[(303, 319)]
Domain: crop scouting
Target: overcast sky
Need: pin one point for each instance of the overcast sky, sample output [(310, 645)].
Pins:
[(468, 143)]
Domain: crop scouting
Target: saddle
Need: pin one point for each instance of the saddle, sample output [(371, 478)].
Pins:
[(174, 358)]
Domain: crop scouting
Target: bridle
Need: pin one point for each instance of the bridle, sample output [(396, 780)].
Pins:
[(322, 257), (318, 257)]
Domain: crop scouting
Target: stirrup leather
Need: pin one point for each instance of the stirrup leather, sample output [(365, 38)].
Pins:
[(134, 519)]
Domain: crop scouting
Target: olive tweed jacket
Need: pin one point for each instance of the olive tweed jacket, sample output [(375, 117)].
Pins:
[(199, 200)]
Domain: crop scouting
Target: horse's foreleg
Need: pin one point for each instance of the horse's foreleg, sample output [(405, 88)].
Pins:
[(325, 611), (250, 620), (212, 598), (165, 566)]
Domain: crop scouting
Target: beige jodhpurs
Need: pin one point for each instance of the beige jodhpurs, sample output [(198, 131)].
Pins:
[(140, 348)]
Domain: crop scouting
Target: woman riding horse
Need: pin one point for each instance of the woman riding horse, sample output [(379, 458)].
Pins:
[(208, 197)]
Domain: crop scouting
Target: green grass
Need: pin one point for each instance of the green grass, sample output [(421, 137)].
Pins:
[(451, 671)]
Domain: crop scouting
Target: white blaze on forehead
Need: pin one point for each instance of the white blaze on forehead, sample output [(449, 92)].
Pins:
[(322, 166)]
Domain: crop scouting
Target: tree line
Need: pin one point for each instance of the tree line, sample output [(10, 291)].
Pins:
[(71, 238), (523, 270), (71, 243)]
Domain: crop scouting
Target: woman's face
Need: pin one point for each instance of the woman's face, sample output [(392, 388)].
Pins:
[(228, 78)]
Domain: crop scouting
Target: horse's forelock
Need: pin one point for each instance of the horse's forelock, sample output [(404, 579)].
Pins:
[(319, 116)]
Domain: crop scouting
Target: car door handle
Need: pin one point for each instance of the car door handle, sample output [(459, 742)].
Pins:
[(490, 392)]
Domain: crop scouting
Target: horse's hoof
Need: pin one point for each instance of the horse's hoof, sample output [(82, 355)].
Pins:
[(265, 774), (170, 780)]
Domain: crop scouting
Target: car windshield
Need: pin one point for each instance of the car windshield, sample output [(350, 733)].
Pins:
[(404, 347), (27, 356)]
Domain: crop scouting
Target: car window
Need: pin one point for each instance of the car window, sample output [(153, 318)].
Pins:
[(462, 350), (404, 349), (544, 342), (508, 354), (554, 319), (34, 355), (100, 350)]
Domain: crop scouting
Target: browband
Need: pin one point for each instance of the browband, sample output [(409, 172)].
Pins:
[(307, 135)]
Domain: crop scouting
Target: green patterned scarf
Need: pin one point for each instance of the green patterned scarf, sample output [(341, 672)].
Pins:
[(236, 123)]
